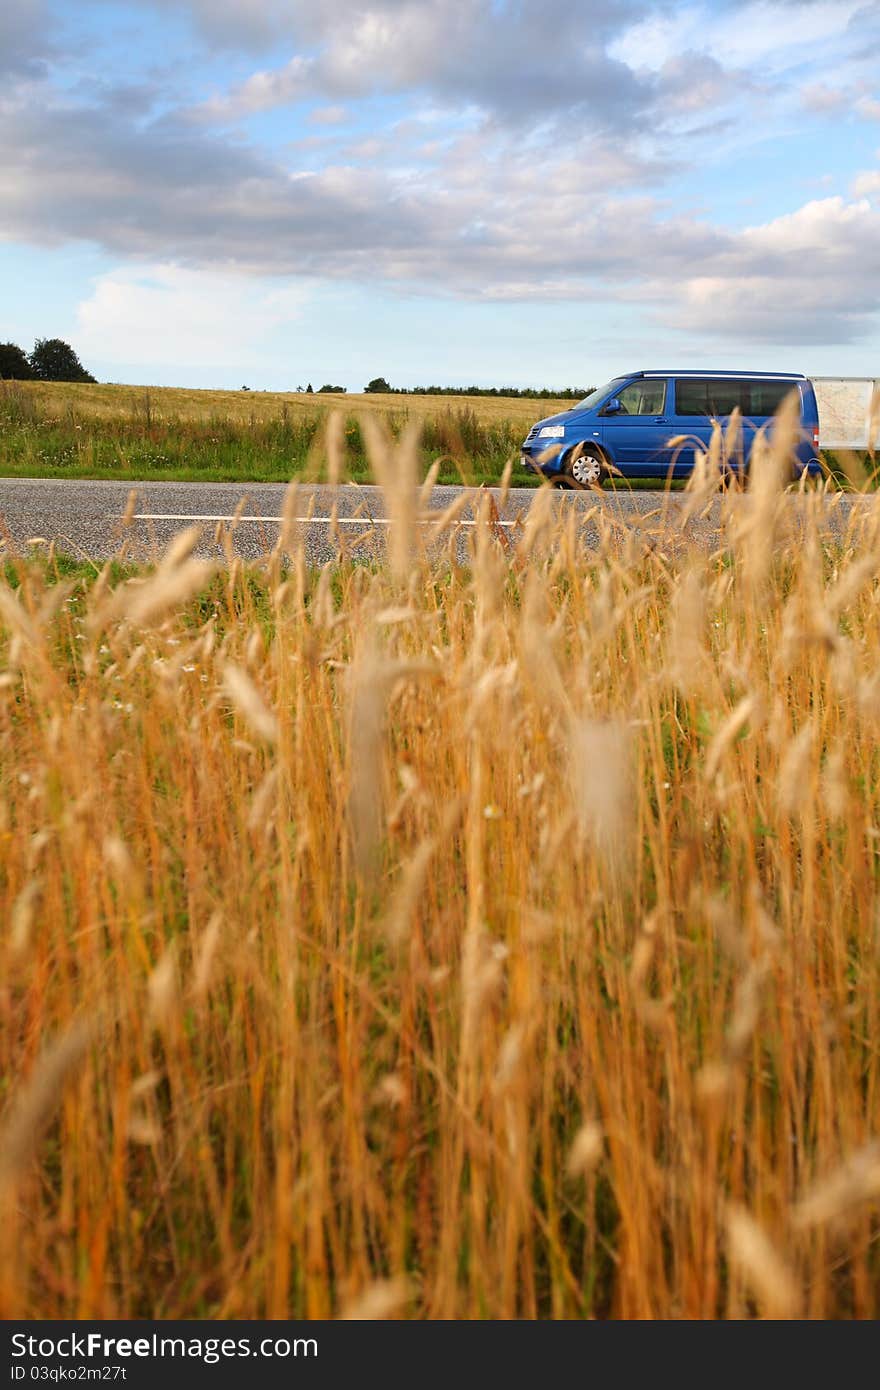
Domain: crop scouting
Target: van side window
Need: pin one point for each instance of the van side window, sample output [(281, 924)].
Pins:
[(696, 396), (642, 398), (763, 397), (724, 397), (708, 396), (691, 397)]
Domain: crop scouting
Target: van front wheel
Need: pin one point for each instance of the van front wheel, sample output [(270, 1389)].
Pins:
[(585, 467)]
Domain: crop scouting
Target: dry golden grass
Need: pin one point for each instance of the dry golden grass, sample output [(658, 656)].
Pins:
[(448, 941)]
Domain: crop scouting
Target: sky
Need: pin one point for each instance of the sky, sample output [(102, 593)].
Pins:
[(501, 192)]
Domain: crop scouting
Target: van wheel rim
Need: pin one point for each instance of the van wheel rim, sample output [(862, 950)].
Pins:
[(586, 469)]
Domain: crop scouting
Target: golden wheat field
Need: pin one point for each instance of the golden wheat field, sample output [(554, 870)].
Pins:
[(430, 938), (109, 401), (143, 433)]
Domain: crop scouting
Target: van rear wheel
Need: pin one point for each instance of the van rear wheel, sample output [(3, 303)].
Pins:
[(585, 467)]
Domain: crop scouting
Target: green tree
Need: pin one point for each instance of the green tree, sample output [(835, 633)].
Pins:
[(54, 360), (340, 390), (14, 365), (309, 391), (378, 384)]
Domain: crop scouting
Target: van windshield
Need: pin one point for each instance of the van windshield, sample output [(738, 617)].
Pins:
[(599, 394)]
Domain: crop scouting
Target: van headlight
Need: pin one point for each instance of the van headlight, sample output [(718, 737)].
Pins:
[(552, 432)]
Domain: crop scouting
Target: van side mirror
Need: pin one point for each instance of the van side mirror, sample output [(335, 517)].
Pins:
[(611, 407)]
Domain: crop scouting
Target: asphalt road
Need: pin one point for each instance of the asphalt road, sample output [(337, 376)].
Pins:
[(83, 518)]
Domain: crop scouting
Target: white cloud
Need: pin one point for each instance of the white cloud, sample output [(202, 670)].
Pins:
[(811, 276), (866, 184), (500, 59), (756, 34), (819, 97), (328, 115), (266, 89), (180, 317)]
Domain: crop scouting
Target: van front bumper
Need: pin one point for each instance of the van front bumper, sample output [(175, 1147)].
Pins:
[(543, 460)]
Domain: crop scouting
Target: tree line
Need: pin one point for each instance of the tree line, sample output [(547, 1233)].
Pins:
[(531, 393), (51, 360), (380, 386)]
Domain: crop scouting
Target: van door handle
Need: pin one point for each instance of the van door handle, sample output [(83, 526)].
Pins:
[(659, 419)]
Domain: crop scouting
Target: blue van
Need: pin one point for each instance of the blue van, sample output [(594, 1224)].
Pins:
[(650, 424)]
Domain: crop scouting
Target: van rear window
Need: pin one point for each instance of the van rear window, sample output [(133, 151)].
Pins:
[(715, 396)]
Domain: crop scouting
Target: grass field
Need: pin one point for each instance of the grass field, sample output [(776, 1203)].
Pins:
[(427, 940), (80, 431)]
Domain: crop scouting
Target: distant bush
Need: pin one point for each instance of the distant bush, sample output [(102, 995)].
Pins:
[(14, 365), (54, 360)]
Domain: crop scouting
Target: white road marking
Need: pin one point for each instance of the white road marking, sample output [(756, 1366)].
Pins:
[(305, 520)]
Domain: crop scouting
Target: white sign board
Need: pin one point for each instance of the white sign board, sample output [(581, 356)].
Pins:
[(844, 410)]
